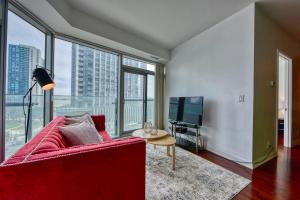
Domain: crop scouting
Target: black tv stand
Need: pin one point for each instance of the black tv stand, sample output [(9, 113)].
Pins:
[(187, 135)]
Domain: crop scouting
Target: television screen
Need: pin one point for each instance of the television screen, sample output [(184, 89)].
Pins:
[(193, 110), (176, 108)]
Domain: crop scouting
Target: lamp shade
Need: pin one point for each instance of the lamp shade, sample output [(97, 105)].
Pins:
[(43, 78)]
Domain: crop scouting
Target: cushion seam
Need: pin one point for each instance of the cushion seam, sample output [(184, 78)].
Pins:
[(50, 131)]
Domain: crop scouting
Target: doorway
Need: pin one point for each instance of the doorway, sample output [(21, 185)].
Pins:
[(137, 98), (284, 100)]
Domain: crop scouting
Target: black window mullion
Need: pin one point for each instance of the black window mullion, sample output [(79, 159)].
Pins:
[(3, 29), (49, 60)]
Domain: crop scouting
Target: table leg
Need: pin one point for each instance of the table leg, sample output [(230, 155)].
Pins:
[(197, 142), (154, 146), (173, 157), (168, 151)]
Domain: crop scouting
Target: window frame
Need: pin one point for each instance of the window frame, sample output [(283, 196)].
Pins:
[(34, 21), (19, 12), (50, 36), (102, 48), (4, 8)]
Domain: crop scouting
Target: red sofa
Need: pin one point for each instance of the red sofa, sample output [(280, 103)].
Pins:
[(47, 168)]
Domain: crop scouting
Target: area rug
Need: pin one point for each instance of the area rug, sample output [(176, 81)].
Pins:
[(193, 178)]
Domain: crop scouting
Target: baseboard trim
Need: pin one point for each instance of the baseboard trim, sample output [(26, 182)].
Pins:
[(270, 157), (230, 157)]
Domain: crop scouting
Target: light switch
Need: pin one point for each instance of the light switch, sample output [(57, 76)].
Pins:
[(272, 83), (242, 98)]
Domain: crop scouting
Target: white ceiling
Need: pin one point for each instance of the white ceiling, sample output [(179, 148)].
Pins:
[(150, 28), (65, 20), (167, 23)]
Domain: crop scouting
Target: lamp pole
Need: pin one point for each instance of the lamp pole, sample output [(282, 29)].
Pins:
[(41, 76), (28, 119)]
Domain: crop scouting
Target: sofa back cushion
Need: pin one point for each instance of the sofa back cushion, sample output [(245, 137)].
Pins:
[(49, 139), (52, 141), (77, 119), (81, 134), (99, 121)]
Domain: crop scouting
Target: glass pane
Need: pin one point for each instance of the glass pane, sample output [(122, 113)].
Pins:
[(25, 50), (150, 99), (138, 64), (133, 101), (86, 81)]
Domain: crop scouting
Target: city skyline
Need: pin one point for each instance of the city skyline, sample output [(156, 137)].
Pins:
[(23, 59), (62, 64)]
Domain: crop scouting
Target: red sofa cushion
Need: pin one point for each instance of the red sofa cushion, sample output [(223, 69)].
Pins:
[(37, 142), (99, 121)]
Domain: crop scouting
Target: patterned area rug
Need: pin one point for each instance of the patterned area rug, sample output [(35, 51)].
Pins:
[(193, 178)]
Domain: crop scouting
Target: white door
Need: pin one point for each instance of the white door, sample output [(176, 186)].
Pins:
[(285, 95)]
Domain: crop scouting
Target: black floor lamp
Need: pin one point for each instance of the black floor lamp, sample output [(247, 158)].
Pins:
[(42, 77)]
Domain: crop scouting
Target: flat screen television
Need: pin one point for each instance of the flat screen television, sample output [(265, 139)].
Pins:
[(176, 108), (193, 110)]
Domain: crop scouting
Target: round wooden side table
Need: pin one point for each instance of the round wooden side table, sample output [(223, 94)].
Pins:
[(147, 136), (167, 141)]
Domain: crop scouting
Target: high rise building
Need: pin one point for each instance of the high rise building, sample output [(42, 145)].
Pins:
[(22, 60), (134, 84), (95, 73)]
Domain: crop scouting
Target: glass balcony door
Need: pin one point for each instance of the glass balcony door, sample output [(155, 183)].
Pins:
[(137, 99), (150, 111), (133, 101)]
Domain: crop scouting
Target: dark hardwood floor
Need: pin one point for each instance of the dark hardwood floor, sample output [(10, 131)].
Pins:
[(277, 179)]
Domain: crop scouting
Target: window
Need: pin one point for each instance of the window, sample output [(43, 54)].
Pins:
[(131, 62), (25, 51), (137, 105), (85, 83), (87, 80), (150, 98)]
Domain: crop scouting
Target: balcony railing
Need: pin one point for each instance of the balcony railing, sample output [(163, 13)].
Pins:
[(15, 121), (70, 105)]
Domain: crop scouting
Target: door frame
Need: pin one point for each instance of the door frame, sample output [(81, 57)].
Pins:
[(289, 100), (138, 71)]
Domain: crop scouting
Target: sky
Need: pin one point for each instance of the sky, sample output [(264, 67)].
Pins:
[(62, 67), (21, 32)]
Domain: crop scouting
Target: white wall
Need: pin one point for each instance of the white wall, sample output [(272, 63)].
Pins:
[(218, 64)]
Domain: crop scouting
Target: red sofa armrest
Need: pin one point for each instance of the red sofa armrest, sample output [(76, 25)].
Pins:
[(99, 121), (114, 170)]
